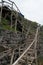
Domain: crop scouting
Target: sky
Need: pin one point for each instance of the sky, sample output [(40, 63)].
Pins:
[(31, 9)]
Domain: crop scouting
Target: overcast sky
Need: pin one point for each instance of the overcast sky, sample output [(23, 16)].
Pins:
[(31, 9)]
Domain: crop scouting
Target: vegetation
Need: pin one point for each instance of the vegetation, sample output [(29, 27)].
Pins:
[(4, 25), (40, 60)]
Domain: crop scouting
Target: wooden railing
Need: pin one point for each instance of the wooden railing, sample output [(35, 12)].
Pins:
[(33, 42)]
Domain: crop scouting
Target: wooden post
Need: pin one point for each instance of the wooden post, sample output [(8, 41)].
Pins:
[(12, 58), (23, 25), (16, 26), (27, 32), (35, 47), (11, 14), (16, 21), (1, 11)]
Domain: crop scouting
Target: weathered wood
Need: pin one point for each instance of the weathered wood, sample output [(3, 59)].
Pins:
[(12, 58), (27, 48)]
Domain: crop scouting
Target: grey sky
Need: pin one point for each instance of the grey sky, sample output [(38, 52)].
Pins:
[(32, 9)]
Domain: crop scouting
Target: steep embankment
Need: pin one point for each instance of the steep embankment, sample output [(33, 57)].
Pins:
[(25, 29)]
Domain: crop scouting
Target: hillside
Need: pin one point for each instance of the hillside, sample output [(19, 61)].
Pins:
[(17, 36), (6, 21)]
